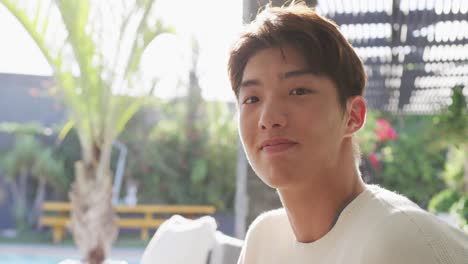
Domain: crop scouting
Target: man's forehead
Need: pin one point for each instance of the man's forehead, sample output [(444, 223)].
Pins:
[(283, 59), (286, 54)]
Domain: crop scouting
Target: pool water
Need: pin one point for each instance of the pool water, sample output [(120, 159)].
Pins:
[(25, 259)]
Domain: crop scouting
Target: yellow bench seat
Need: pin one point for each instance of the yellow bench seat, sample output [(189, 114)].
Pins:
[(145, 220)]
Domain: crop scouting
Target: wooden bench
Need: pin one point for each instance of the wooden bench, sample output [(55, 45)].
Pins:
[(144, 217)]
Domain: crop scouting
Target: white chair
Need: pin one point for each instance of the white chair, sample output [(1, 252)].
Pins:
[(181, 241), (226, 249)]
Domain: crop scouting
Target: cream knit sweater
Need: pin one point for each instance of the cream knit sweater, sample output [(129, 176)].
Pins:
[(377, 227)]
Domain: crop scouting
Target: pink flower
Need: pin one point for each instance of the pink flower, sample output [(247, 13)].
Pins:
[(374, 160), (385, 131)]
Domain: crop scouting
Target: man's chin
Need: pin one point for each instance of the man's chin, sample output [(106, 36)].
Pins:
[(277, 181)]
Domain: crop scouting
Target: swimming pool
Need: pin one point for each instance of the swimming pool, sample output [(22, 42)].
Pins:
[(29, 259), (25, 259)]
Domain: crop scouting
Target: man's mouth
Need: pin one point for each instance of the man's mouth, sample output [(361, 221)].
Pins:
[(277, 145)]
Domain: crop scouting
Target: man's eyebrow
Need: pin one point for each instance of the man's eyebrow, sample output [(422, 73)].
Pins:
[(286, 75), (297, 73), (248, 83)]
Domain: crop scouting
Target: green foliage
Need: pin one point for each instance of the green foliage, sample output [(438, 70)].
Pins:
[(51, 169), (452, 123), (443, 201), (16, 166), (221, 155), (409, 170), (366, 137), (180, 161), (34, 151), (453, 170), (460, 210), (30, 157), (450, 130), (26, 164), (406, 166), (22, 157)]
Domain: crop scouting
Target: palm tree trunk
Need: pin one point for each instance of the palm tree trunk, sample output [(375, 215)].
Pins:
[(14, 187), (38, 200), (93, 217), (21, 199), (23, 185)]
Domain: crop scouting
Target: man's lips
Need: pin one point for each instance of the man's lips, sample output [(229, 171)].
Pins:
[(276, 145)]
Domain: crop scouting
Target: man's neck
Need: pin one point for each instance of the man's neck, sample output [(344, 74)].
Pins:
[(314, 208)]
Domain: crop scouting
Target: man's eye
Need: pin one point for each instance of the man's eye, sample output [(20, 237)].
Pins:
[(300, 91), (251, 100)]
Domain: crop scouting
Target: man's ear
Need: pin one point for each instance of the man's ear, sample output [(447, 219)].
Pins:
[(356, 114)]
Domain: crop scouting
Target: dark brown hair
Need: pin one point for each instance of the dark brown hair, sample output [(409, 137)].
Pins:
[(325, 49)]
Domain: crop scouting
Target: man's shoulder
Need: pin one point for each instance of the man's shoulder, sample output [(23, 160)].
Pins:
[(268, 225), (268, 219), (417, 236), (392, 201), (380, 203), (401, 214), (402, 240)]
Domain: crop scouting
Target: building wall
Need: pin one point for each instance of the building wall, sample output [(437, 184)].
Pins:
[(23, 99)]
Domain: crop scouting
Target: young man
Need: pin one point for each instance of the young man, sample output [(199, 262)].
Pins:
[(299, 86)]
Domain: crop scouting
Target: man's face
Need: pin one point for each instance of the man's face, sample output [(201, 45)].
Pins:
[(290, 121)]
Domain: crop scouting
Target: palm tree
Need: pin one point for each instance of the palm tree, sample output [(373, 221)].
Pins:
[(95, 49), (17, 166), (47, 170), (26, 160)]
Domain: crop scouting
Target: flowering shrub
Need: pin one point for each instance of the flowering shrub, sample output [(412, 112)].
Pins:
[(385, 131), (392, 155), (373, 136)]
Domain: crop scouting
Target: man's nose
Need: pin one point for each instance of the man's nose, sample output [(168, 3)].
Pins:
[(273, 116)]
